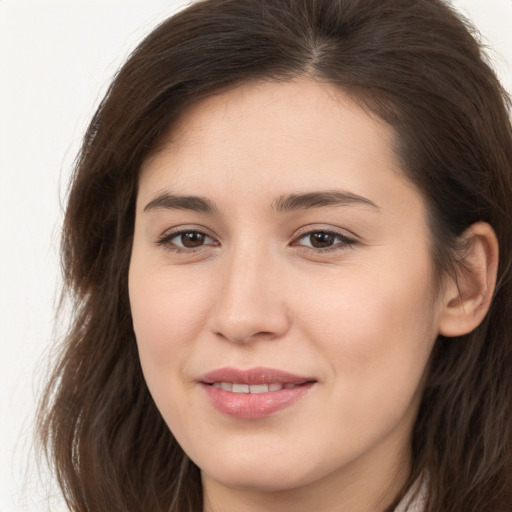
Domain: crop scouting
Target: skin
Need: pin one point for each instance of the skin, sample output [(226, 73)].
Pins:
[(361, 318)]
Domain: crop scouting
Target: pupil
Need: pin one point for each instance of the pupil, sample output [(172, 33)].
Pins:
[(321, 240), (191, 240)]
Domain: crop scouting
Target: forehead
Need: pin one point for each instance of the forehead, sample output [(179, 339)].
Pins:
[(281, 136)]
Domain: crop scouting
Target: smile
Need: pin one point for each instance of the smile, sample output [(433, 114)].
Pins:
[(253, 394), (252, 388)]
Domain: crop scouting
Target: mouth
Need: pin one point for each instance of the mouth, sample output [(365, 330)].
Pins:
[(253, 388), (255, 393)]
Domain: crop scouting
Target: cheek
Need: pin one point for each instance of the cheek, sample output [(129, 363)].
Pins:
[(376, 324), (167, 315), (376, 330)]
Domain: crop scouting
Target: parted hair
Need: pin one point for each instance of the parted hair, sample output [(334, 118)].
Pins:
[(414, 63)]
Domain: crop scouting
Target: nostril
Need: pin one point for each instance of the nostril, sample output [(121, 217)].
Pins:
[(246, 337)]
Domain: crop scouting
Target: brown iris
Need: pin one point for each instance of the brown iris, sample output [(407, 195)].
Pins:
[(322, 240), (192, 239)]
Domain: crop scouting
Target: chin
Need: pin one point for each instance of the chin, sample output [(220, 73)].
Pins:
[(259, 476)]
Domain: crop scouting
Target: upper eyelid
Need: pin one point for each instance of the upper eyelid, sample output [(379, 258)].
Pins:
[(344, 239), (178, 233), (170, 232), (324, 230), (306, 230)]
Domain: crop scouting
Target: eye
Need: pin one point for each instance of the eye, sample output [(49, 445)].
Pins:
[(186, 240), (324, 240)]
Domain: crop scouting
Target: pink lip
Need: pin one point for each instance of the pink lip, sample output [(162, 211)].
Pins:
[(258, 405)]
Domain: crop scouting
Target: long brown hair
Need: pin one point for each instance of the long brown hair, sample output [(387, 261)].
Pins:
[(414, 63)]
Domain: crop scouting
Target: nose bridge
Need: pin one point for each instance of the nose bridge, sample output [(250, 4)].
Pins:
[(251, 301)]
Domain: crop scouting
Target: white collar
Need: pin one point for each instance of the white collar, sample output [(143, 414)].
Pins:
[(414, 500)]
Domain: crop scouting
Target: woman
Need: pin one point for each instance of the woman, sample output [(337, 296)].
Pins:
[(288, 238)]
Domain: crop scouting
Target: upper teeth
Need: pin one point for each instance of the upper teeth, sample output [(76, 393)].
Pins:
[(251, 388)]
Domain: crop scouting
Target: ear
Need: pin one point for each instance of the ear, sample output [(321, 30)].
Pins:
[(467, 296)]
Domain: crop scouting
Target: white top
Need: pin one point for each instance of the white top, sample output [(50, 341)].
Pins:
[(418, 503)]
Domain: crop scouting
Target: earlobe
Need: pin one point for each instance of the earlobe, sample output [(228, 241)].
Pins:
[(467, 296)]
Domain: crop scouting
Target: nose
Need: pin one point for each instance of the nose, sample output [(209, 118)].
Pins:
[(251, 303)]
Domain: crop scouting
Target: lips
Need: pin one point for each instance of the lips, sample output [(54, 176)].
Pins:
[(255, 393)]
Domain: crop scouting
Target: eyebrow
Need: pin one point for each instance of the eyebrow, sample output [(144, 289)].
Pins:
[(176, 202), (291, 202), (285, 203)]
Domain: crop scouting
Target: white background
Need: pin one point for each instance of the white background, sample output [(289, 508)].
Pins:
[(56, 60)]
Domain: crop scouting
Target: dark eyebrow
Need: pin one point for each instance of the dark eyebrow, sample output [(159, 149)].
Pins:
[(291, 202), (177, 202)]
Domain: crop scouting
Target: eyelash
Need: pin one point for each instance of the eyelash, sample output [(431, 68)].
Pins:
[(344, 242), (166, 241)]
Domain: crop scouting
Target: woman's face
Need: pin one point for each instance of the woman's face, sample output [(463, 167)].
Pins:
[(282, 289)]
